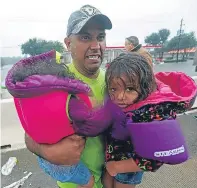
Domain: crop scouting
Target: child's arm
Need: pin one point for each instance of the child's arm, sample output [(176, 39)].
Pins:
[(90, 122), (148, 165), (123, 166)]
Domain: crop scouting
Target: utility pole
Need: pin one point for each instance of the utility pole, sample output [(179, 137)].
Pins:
[(180, 32)]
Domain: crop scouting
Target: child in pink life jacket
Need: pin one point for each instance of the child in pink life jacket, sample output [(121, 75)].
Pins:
[(150, 135), (52, 104)]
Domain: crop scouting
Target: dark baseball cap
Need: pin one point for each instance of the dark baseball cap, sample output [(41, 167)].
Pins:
[(79, 18)]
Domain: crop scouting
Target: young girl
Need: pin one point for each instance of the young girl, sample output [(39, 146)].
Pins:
[(52, 104), (150, 135)]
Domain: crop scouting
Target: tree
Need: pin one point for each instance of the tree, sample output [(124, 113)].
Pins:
[(37, 46), (153, 39), (159, 38), (187, 40), (163, 34)]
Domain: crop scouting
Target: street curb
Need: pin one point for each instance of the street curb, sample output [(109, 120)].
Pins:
[(13, 147)]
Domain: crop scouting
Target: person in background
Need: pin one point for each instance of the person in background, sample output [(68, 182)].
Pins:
[(132, 45)]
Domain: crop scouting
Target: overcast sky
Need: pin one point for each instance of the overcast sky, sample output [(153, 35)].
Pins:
[(24, 19)]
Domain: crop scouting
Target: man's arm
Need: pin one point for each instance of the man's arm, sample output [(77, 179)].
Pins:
[(33, 146), (65, 152)]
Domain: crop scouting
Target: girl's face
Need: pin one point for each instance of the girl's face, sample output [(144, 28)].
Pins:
[(122, 92)]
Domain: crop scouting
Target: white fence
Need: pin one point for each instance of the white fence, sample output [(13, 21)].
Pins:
[(6, 97), (195, 104)]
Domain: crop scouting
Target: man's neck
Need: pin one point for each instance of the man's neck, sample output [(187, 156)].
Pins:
[(91, 75), (88, 74)]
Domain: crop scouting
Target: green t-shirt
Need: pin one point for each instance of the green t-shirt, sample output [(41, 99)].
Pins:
[(93, 154)]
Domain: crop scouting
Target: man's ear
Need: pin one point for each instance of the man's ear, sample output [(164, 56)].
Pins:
[(67, 42)]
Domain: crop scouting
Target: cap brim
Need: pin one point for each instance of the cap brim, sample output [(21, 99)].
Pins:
[(101, 18), (104, 20)]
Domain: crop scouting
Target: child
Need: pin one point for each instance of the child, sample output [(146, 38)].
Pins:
[(150, 135), (52, 104)]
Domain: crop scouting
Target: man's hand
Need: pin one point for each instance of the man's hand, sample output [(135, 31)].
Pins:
[(65, 152), (111, 168)]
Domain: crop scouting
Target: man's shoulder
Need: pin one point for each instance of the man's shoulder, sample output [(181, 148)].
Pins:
[(145, 53), (143, 50)]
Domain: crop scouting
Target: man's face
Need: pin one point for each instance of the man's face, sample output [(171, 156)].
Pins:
[(128, 45), (87, 48)]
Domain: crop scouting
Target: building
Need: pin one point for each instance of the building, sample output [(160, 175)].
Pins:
[(110, 53)]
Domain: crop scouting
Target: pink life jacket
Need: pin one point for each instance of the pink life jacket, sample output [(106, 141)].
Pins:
[(41, 100), (44, 117)]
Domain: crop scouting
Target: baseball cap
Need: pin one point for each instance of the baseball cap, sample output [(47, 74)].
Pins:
[(134, 40), (79, 18)]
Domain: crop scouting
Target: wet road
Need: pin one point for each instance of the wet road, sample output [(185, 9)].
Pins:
[(179, 176), (186, 67)]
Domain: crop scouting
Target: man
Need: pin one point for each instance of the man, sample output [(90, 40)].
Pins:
[(86, 42), (132, 45)]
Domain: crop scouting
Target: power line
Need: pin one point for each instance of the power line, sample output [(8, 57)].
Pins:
[(180, 32)]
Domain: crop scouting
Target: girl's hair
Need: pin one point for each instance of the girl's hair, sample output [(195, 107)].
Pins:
[(41, 67), (136, 68)]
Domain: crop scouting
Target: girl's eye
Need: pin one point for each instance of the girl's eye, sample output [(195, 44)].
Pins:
[(129, 89), (112, 89)]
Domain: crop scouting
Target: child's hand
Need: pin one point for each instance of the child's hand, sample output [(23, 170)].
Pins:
[(111, 168), (90, 93)]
